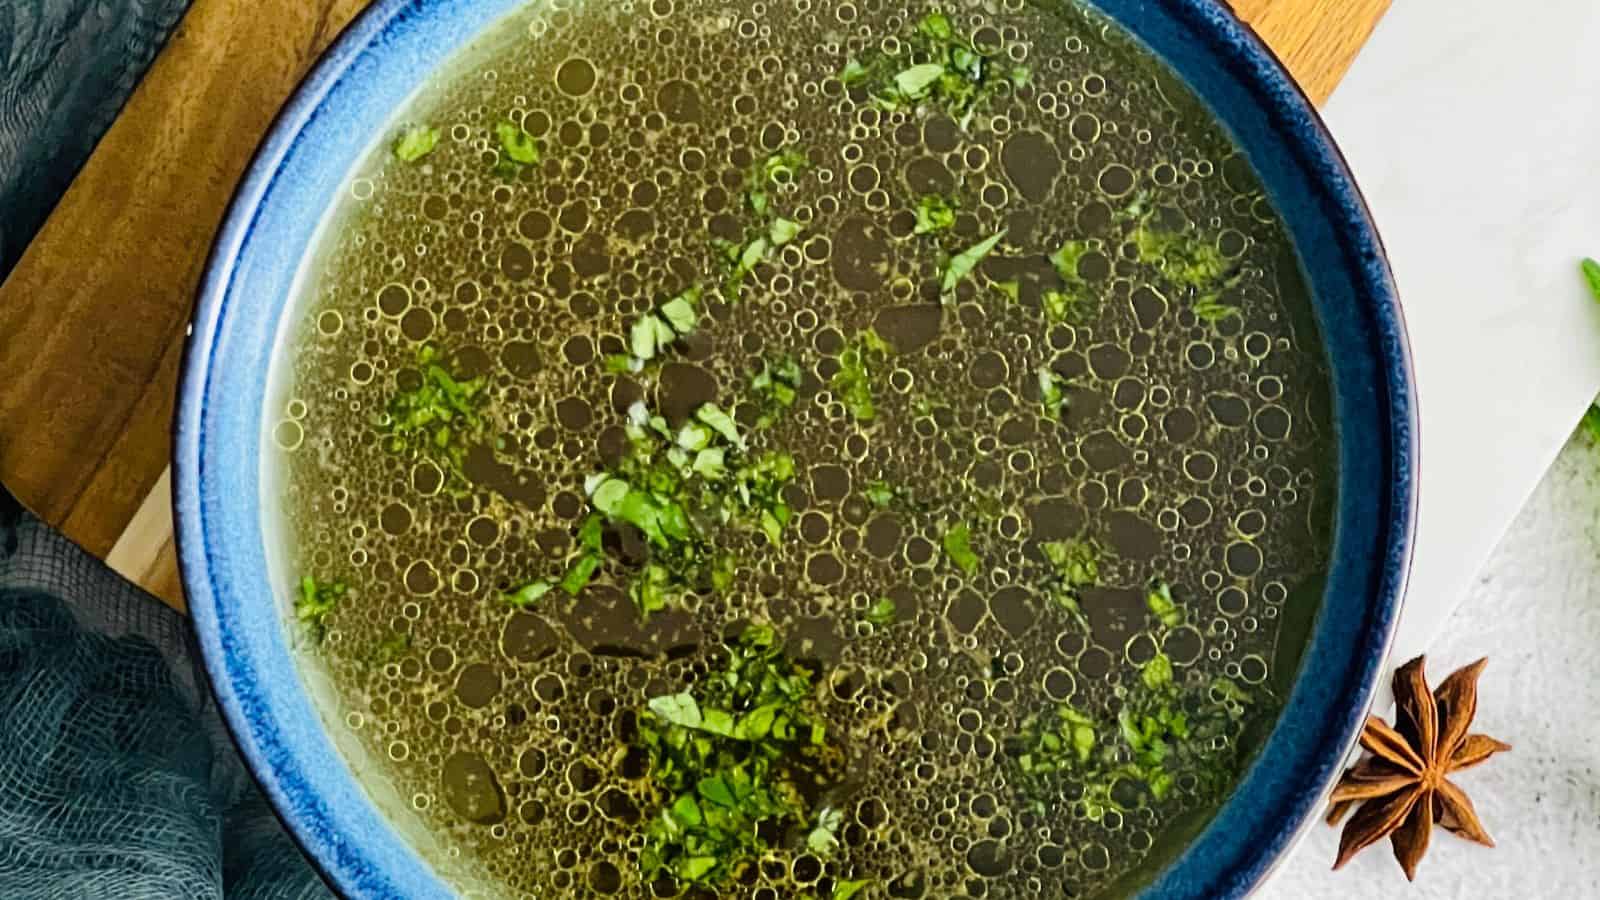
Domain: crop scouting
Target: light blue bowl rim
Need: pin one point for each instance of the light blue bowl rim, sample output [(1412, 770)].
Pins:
[(370, 71)]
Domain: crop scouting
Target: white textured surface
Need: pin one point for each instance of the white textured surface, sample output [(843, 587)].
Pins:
[(1534, 612), (1469, 125)]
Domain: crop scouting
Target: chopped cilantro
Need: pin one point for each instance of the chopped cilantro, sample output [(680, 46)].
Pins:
[(1208, 309), (1159, 600), (1066, 261), (1591, 277), (581, 573), (853, 382), (938, 66), (317, 602), (1076, 561), (658, 330), (778, 386), (962, 264), (721, 423), (882, 612), (958, 548), (1060, 306), (1158, 734), (915, 82), (844, 890), (439, 417), (880, 494), (1157, 673), (783, 231), (1050, 393), (1011, 290), (390, 649), (1591, 422), (724, 757), (517, 147), (415, 142), (824, 837), (526, 596), (675, 489), (1187, 259), (935, 214)]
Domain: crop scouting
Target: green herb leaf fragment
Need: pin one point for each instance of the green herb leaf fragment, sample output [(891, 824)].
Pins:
[(316, 603), (824, 837), (516, 145), (529, 594), (915, 83), (415, 142), (1591, 277), (1159, 600), (880, 494), (1157, 673), (1050, 392), (962, 264), (958, 548), (783, 231), (935, 215), (677, 709), (723, 424), (1591, 422), (1076, 561), (581, 573), (882, 612)]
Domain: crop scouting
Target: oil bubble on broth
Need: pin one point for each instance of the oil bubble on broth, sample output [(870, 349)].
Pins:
[(811, 449)]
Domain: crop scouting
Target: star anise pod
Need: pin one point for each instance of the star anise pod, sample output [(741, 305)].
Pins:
[(1402, 786)]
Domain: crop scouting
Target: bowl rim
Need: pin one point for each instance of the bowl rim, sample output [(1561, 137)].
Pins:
[(1218, 862)]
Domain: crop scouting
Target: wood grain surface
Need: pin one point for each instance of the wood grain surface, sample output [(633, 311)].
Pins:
[(92, 319)]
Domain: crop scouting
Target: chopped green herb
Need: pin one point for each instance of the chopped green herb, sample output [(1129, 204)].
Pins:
[(1208, 309), (935, 214), (778, 385), (439, 417), (390, 649), (1050, 392), (882, 612), (936, 65), (824, 837), (1591, 277), (581, 573), (724, 758), (962, 264), (880, 494), (853, 382), (844, 890), (1060, 306), (529, 594), (516, 146), (1187, 259), (782, 231), (1076, 561), (1066, 261), (681, 312), (915, 83), (415, 142), (722, 423), (1591, 422), (1157, 673), (958, 548), (1159, 599), (1011, 290), (317, 602)]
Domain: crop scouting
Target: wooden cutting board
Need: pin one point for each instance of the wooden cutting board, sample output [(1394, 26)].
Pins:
[(93, 316)]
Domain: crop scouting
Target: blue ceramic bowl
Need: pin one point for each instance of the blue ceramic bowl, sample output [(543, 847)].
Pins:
[(375, 67)]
